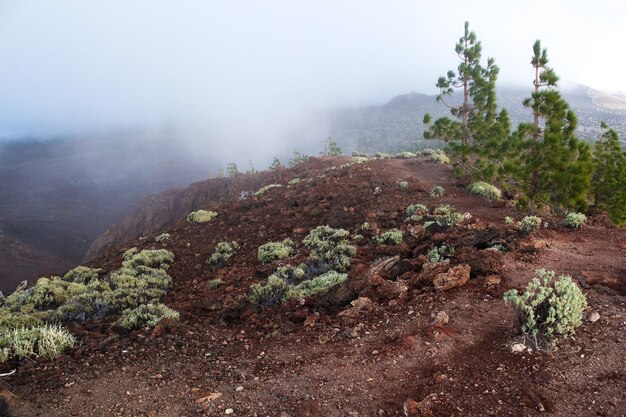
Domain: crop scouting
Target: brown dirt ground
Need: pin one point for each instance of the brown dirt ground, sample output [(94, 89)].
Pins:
[(303, 360)]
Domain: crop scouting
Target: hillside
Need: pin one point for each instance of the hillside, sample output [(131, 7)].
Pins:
[(397, 125), (375, 345)]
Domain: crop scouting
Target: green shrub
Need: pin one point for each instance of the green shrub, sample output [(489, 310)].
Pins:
[(294, 181), (364, 227), (43, 340), (436, 155), (163, 237), (440, 253), (318, 285), (530, 224), (275, 251), (358, 160), (484, 189), (390, 237), (201, 216), (437, 191), (547, 311), (403, 185), (405, 155), (508, 220), (575, 220), (152, 258), (82, 275), (147, 315), (214, 283), (291, 274), (223, 252), (330, 249), (272, 293), (382, 155), (415, 212), (446, 215), (265, 189)]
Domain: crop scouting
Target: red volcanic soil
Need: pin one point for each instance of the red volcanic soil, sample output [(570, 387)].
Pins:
[(326, 358)]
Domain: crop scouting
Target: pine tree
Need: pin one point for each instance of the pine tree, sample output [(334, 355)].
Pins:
[(221, 173), (556, 164), (609, 176), (478, 123), (251, 169), (331, 148), (231, 169)]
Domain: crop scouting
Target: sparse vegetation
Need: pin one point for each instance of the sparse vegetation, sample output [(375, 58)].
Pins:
[(546, 310), (146, 315), (484, 189), (294, 181), (331, 148), (390, 237), (358, 160), (416, 212), (508, 220), (405, 155), (403, 185), (318, 285), (436, 155), (163, 237), (201, 216), (214, 283), (437, 191), (274, 292), (529, 224), (223, 252), (297, 159), (47, 341), (275, 251), (276, 165), (447, 216), (575, 220), (440, 253), (265, 189), (330, 249)]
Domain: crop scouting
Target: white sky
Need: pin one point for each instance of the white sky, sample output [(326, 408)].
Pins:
[(235, 68)]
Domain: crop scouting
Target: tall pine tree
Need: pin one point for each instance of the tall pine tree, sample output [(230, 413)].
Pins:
[(556, 164), (477, 124), (609, 176)]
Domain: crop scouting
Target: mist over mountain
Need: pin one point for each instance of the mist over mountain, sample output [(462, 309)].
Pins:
[(397, 125)]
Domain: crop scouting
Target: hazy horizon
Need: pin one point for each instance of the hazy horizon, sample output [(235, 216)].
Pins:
[(251, 76)]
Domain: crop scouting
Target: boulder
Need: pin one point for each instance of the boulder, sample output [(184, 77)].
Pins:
[(429, 272), (455, 277)]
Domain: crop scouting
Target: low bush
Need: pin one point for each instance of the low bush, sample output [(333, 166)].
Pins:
[(390, 237), (318, 285), (446, 215), (529, 224), (548, 310), (382, 155), (291, 274), (44, 340), (405, 155), (437, 191), (275, 251), (330, 250), (223, 252), (403, 185), (440, 253), (274, 292), (508, 220), (214, 283), (163, 237), (358, 160), (294, 181), (147, 315), (82, 275), (201, 216), (436, 155), (575, 220), (265, 189), (152, 258), (484, 189), (416, 212)]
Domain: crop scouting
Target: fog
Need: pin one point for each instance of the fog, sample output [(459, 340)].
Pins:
[(240, 80)]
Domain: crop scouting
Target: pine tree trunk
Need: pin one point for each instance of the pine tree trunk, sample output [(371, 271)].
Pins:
[(534, 180)]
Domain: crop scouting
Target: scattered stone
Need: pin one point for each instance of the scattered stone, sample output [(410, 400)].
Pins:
[(239, 388), (311, 319), (492, 280), (440, 378), (375, 352), (210, 397), (518, 347), (229, 411), (593, 316), (430, 270), (362, 303), (423, 408), (441, 319), (455, 277)]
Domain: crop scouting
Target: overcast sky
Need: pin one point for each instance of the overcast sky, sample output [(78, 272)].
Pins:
[(255, 68)]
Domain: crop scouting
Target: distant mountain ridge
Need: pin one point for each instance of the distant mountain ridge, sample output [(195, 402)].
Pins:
[(397, 125)]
